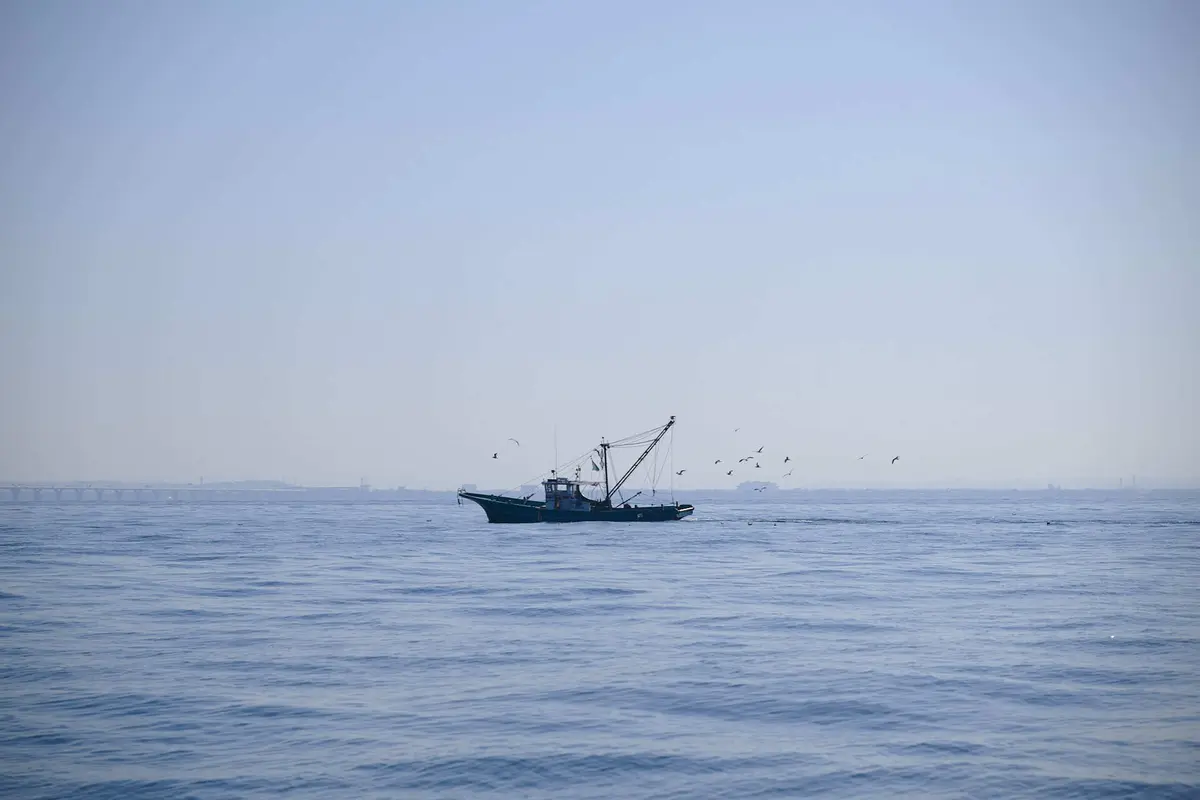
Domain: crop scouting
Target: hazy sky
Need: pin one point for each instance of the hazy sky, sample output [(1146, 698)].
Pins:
[(323, 241)]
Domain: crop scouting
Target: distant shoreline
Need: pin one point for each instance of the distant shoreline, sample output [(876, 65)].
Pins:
[(256, 492)]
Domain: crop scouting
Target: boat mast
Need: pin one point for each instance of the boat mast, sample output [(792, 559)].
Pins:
[(609, 493), (604, 461)]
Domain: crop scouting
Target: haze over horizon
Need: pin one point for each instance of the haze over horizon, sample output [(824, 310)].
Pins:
[(321, 243)]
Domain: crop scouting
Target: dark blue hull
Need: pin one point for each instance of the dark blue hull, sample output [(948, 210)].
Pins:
[(513, 510)]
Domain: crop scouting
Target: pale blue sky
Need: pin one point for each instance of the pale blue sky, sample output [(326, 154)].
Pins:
[(321, 241)]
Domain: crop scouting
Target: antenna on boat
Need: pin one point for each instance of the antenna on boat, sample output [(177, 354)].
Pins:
[(671, 447), (556, 446)]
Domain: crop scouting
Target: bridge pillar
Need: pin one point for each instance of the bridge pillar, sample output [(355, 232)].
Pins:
[(100, 494), (37, 494), (154, 495), (57, 495), (79, 494), (15, 491)]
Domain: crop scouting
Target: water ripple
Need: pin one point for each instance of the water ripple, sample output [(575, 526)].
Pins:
[(949, 645)]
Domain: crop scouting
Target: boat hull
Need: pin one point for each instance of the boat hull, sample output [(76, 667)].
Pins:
[(510, 510)]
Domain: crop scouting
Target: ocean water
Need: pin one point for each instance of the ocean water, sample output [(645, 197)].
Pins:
[(850, 645)]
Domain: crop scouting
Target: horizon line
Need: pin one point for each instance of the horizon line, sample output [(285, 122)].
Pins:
[(248, 485)]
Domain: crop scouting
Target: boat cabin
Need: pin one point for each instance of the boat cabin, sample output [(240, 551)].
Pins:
[(564, 494)]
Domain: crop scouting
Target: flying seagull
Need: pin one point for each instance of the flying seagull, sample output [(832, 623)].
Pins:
[(514, 440), (495, 455), (757, 465), (729, 473), (679, 473), (718, 461), (740, 460), (894, 460), (759, 450), (864, 455), (789, 472), (735, 430), (787, 459)]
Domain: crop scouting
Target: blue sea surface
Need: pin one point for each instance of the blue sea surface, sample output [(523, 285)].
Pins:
[(837, 645)]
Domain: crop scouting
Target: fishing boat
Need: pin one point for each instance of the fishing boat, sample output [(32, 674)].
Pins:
[(565, 499)]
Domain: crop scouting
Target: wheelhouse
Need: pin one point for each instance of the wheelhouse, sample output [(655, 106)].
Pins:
[(564, 494)]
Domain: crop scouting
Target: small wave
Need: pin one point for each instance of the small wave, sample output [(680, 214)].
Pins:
[(1069, 789), (189, 613), (169, 789), (553, 771), (708, 621), (806, 521), (37, 740), (116, 705), (734, 701), (277, 584), (277, 711), (816, 625), (942, 749), (608, 591), (439, 591), (545, 612)]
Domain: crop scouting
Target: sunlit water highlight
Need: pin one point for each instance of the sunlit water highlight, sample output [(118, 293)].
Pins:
[(925, 645)]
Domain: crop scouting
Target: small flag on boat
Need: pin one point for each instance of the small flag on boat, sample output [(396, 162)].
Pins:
[(594, 467)]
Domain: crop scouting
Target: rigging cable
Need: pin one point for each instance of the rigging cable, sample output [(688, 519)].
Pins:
[(656, 473), (636, 440), (671, 445), (645, 437), (558, 469)]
